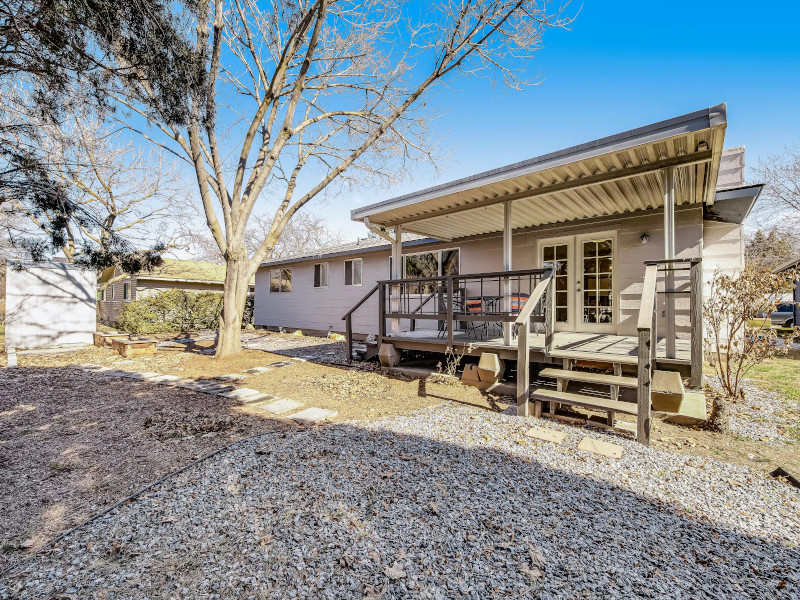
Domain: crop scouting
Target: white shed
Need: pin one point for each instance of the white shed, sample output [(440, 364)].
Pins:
[(49, 304)]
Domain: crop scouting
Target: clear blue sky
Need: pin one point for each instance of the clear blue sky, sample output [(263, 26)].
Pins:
[(625, 64)]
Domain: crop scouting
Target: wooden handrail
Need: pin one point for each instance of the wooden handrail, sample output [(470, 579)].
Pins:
[(360, 302), (348, 321), (648, 300), (536, 295)]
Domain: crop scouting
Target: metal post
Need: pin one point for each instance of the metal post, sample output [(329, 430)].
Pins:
[(397, 273), (507, 262), (696, 380), (669, 253)]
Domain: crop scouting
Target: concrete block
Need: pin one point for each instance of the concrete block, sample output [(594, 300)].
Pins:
[(257, 370), (600, 447), (388, 356), (166, 379), (282, 405), (310, 416), (231, 378), (547, 435), (471, 377), (240, 394), (692, 410), (667, 391), (491, 368)]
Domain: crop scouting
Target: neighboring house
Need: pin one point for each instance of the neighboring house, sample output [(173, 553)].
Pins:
[(189, 275), (606, 227)]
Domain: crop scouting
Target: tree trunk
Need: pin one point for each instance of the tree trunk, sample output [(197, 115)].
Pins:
[(720, 417), (234, 297)]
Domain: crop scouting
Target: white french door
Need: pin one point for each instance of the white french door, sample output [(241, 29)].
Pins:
[(585, 283), (557, 254)]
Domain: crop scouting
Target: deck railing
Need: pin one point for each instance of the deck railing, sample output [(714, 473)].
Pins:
[(541, 299), (468, 302), (648, 334)]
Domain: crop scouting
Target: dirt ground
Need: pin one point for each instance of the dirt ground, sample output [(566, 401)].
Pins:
[(73, 443)]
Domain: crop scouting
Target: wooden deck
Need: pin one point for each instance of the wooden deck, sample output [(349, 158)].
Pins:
[(583, 346)]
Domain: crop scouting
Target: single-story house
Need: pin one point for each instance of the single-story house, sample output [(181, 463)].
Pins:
[(589, 249), (189, 275)]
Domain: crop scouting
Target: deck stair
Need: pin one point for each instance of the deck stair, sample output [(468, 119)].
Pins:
[(597, 403), (610, 405), (589, 377)]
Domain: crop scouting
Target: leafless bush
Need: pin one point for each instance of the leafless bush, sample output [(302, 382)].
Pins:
[(735, 339)]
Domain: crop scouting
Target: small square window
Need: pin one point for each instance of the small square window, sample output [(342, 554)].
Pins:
[(352, 271), (280, 280), (321, 275)]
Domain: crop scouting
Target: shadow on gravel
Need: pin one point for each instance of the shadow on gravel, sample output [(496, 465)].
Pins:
[(72, 444), (347, 512)]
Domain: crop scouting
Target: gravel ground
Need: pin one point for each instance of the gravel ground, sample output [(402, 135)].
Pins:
[(441, 503), (761, 416)]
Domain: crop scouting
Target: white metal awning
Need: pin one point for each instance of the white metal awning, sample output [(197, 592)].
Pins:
[(621, 173)]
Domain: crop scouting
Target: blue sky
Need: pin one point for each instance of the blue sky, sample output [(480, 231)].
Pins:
[(624, 64)]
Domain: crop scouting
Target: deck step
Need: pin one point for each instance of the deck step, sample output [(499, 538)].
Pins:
[(588, 377), (621, 359), (548, 395)]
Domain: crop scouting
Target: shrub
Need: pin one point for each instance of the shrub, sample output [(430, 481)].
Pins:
[(735, 340), (175, 310)]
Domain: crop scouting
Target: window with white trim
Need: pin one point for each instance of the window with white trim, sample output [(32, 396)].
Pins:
[(353, 271), (439, 263), (280, 280), (103, 295), (321, 275), (113, 288), (126, 291)]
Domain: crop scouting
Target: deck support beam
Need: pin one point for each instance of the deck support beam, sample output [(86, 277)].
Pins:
[(507, 262), (397, 273), (669, 253)]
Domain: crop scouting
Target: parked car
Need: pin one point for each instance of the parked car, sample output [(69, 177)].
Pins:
[(783, 315)]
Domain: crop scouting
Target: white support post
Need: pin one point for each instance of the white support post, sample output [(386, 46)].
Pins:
[(669, 253), (507, 233), (397, 273)]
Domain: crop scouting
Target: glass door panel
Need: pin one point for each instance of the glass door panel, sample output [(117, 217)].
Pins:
[(598, 293), (556, 257)]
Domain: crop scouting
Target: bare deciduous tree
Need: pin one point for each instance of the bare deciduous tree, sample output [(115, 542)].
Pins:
[(120, 191), (290, 100), (781, 196), (304, 233)]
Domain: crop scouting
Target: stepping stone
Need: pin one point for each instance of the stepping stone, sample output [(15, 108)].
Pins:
[(313, 415), (136, 375), (87, 366), (281, 406), (240, 394), (216, 390), (600, 447), (300, 359), (257, 370), (282, 363), (165, 379), (547, 435), (261, 398), (232, 378), (208, 351), (113, 373)]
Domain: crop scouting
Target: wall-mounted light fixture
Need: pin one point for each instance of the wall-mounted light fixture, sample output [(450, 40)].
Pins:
[(645, 238)]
